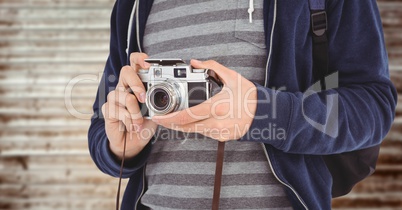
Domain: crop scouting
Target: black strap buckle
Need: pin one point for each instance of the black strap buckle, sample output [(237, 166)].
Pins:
[(319, 23)]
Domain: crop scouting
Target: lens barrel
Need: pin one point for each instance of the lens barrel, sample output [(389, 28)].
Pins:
[(163, 98), (160, 99)]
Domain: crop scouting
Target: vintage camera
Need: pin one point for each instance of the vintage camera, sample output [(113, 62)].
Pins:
[(173, 85)]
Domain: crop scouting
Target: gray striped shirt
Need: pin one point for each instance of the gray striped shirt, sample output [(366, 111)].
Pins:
[(180, 171)]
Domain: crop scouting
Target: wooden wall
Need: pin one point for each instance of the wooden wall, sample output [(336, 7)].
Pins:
[(44, 44), (46, 47)]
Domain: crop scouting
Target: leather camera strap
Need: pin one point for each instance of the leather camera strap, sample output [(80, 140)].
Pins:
[(218, 175), (121, 173)]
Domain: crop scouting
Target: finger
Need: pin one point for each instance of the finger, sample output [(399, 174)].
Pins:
[(218, 107), (194, 127), (113, 113), (225, 74), (190, 115), (129, 78), (129, 101), (138, 60), (207, 128)]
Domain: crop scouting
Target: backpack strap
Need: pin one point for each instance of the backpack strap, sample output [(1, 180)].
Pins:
[(346, 168), (319, 25)]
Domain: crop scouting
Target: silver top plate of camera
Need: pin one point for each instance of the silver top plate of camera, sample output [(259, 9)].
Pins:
[(173, 85), (172, 69), (166, 62)]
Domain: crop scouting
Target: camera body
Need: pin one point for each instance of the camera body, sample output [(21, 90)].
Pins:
[(173, 85)]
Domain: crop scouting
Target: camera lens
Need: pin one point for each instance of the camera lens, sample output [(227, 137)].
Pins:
[(163, 98), (160, 99)]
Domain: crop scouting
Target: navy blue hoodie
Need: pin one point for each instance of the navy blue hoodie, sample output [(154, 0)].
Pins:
[(365, 97)]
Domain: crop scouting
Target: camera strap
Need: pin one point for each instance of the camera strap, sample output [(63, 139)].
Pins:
[(121, 173), (218, 175)]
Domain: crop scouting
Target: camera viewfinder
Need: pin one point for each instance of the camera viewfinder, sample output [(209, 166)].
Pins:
[(180, 72)]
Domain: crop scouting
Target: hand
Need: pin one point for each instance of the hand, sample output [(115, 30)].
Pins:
[(123, 119), (226, 116)]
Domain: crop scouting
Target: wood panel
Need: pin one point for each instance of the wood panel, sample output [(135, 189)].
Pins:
[(44, 159)]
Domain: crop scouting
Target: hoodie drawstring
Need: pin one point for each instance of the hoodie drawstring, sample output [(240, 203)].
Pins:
[(250, 10), (130, 25)]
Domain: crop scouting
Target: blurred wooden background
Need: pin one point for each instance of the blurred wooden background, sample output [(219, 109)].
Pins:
[(53, 48)]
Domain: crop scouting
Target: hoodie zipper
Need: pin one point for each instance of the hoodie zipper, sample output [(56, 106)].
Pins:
[(282, 182), (265, 84), (271, 40), (142, 191)]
